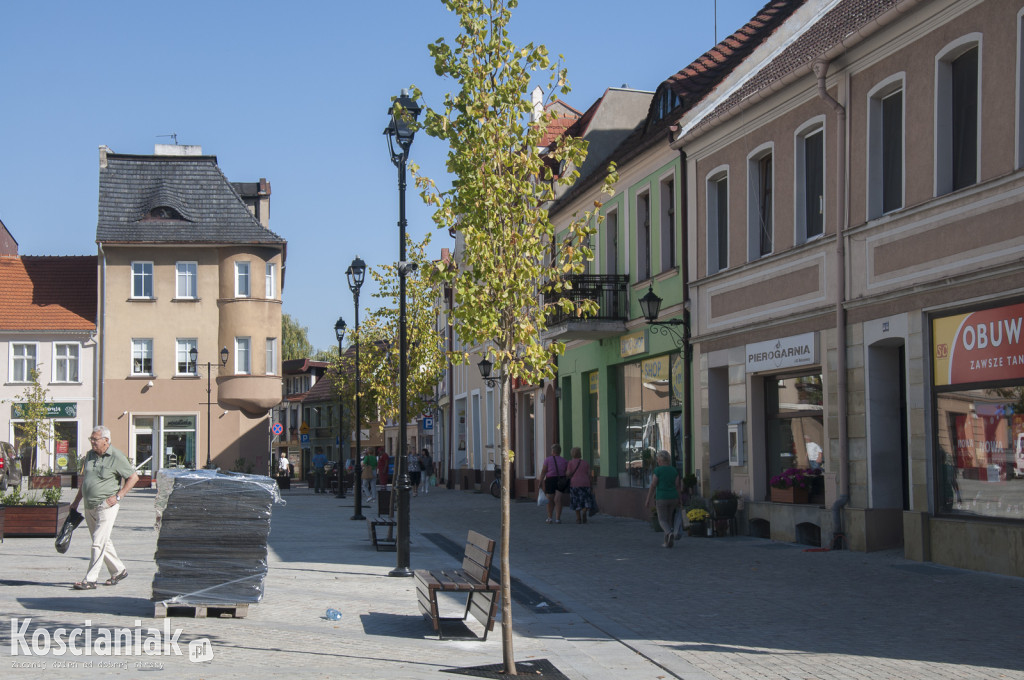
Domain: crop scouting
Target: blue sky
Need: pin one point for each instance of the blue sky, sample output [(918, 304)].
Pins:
[(296, 92)]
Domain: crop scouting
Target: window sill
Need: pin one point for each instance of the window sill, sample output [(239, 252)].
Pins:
[(141, 376), (135, 299), (186, 299), (186, 376), (66, 382)]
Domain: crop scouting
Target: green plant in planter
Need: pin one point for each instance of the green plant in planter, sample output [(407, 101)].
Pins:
[(697, 515), (12, 497), (51, 496), (42, 472)]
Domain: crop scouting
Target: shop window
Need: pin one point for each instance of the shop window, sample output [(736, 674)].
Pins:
[(647, 424), (980, 451), (594, 420), (794, 427)]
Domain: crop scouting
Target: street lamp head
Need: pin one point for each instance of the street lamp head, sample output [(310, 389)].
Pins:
[(401, 129), (193, 354), (339, 330), (356, 274), (485, 366), (650, 305), (223, 356)]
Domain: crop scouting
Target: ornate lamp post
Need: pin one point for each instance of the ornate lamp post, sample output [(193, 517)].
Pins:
[(339, 332), (400, 134), (356, 274), (194, 355), (650, 306)]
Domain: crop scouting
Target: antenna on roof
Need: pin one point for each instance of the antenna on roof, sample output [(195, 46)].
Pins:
[(173, 136), (716, 25)]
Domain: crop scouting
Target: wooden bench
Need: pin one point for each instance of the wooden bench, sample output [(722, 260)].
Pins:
[(473, 578), (381, 543)]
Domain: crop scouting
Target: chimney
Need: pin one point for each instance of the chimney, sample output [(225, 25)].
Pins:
[(104, 150), (177, 150)]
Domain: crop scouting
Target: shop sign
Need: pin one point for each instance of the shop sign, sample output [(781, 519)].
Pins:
[(979, 346), (632, 344), (180, 423), (53, 410), (771, 355), (655, 370), (677, 378), (593, 382)]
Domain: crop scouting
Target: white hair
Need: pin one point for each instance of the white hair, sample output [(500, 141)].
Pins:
[(104, 431)]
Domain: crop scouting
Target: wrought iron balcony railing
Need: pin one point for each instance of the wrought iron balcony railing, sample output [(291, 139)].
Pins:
[(609, 291)]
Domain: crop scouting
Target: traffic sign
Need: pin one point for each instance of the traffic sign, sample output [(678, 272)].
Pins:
[(277, 429), (428, 423), (304, 428), (304, 438)]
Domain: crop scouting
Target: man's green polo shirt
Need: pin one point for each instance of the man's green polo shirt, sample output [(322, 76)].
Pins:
[(102, 475)]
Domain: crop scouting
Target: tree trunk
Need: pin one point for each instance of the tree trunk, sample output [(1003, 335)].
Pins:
[(508, 654)]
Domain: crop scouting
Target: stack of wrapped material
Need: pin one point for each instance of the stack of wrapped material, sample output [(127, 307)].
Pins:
[(212, 542)]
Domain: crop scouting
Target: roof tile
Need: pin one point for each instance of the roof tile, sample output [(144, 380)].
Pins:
[(48, 293)]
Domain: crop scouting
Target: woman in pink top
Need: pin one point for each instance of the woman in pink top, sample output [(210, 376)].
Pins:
[(581, 498), (553, 468)]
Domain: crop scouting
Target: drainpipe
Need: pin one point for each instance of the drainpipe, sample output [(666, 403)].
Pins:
[(820, 71), (97, 408), (684, 265)]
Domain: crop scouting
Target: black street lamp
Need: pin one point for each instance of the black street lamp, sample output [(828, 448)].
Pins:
[(339, 332), (650, 306), (355, 274), (400, 132), (485, 367), (194, 355)]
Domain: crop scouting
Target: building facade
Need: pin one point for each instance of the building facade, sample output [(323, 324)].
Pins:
[(190, 313)]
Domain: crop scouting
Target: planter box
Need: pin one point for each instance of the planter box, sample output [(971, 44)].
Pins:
[(69, 481), (791, 495), (145, 482), (44, 482), (34, 520)]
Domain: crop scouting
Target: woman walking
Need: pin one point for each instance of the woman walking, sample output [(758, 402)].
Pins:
[(552, 470), (665, 495), (581, 498)]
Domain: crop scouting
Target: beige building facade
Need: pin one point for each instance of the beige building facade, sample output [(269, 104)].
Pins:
[(190, 313)]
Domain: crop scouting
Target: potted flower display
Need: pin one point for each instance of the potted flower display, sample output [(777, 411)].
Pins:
[(698, 518), (43, 478), (30, 516), (793, 485), (725, 502)]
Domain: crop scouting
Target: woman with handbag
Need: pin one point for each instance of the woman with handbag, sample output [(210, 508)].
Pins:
[(581, 498), (553, 474)]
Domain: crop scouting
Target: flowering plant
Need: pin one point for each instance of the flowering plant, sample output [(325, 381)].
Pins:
[(795, 477), (697, 515), (724, 495)]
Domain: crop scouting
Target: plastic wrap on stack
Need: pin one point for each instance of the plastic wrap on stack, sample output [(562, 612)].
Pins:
[(212, 536)]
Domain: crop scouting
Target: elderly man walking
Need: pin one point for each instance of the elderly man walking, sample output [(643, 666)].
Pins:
[(106, 477)]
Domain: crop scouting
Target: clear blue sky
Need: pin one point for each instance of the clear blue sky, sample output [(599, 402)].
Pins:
[(296, 92)]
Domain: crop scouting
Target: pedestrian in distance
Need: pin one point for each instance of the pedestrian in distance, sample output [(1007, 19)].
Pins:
[(665, 496), (552, 472), (415, 472), (383, 473), (319, 463), (581, 497), (106, 477), (369, 474), (427, 463)]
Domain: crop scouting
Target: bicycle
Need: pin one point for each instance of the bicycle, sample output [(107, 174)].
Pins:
[(496, 483)]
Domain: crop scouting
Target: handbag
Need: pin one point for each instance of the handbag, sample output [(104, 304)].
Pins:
[(563, 481), (63, 539)]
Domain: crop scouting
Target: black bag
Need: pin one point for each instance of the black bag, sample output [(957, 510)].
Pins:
[(63, 540), (562, 483)]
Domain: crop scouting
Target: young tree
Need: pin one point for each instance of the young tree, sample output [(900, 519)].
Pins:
[(37, 425), (509, 277), (294, 339)]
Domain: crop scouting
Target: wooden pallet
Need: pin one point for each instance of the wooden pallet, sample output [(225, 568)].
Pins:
[(200, 611)]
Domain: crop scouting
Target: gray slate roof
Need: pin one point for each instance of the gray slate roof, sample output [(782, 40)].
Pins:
[(194, 186)]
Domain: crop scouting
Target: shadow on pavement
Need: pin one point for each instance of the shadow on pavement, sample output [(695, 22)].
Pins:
[(91, 604)]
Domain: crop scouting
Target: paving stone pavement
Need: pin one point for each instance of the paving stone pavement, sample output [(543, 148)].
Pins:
[(733, 608)]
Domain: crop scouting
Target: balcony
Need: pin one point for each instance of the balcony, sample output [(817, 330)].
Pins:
[(610, 292), (253, 394)]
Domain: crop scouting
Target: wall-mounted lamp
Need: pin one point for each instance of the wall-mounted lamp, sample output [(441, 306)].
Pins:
[(485, 367), (149, 384)]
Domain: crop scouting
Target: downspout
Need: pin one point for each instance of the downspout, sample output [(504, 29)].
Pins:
[(820, 71), (98, 363), (687, 334), (449, 298)]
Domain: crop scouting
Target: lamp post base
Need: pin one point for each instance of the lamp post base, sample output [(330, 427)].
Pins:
[(400, 572)]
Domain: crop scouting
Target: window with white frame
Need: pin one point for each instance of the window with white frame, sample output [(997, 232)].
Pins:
[(142, 280), (643, 237), (610, 243), (885, 147), (271, 277), (490, 418), (957, 109), (271, 356), (65, 362), (760, 202), (142, 356), (243, 365), (668, 224), (242, 288), (23, 361), (810, 181), (718, 220), (183, 355), (185, 280)]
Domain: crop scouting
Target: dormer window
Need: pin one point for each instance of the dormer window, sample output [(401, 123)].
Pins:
[(164, 212), (668, 101)]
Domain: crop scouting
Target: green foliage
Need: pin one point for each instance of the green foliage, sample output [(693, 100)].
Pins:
[(294, 339), (37, 426), (51, 496), (508, 276), (242, 464), (379, 351), (12, 497)]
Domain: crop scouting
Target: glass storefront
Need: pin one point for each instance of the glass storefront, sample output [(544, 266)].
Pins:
[(647, 424), (794, 426), (174, 439)]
